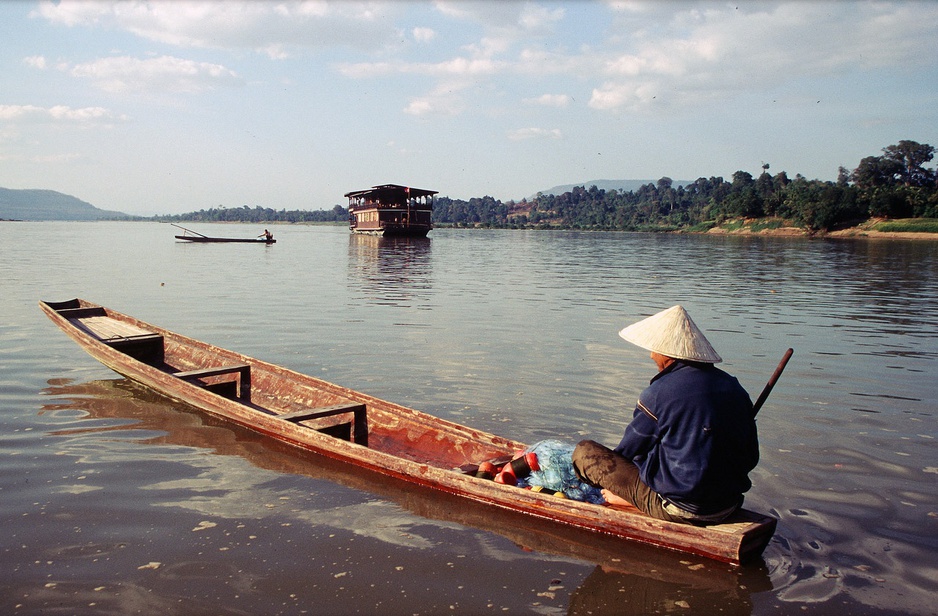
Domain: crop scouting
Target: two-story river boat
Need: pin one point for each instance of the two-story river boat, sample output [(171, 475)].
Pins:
[(391, 210)]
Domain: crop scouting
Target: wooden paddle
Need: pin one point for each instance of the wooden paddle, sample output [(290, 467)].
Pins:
[(772, 381)]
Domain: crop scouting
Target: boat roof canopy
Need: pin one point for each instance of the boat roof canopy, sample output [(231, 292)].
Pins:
[(383, 190)]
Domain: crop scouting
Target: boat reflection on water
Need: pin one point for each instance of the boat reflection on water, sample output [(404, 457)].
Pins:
[(390, 270), (628, 577)]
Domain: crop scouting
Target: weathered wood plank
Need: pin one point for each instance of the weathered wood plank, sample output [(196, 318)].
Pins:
[(105, 328)]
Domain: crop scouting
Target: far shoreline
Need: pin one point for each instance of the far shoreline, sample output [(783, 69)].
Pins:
[(864, 230)]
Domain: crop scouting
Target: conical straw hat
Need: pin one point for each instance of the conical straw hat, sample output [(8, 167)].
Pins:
[(671, 332)]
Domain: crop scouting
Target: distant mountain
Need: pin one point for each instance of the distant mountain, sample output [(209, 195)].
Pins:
[(620, 185), (48, 205)]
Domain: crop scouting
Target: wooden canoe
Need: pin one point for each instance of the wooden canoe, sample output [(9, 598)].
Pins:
[(216, 240), (370, 433), (107, 398)]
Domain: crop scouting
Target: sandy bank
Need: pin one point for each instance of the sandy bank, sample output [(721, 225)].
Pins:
[(862, 231)]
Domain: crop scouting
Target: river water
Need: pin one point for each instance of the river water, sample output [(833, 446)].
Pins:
[(115, 501)]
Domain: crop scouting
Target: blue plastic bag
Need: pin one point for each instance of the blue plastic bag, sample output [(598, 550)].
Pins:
[(556, 473)]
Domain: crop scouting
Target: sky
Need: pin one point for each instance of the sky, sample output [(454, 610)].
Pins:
[(173, 106)]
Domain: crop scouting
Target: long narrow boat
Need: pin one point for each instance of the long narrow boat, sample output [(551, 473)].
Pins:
[(264, 238), (213, 240), (380, 436)]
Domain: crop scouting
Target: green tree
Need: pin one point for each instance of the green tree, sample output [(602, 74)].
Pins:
[(876, 171), (909, 158)]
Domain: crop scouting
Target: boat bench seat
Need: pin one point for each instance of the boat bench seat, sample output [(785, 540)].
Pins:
[(139, 343), (244, 377), (81, 313), (147, 348), (358, 425)]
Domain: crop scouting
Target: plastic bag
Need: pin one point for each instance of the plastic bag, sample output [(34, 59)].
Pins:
[(556, 473)]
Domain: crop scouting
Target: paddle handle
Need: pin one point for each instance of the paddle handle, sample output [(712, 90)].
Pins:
[(768, 386)]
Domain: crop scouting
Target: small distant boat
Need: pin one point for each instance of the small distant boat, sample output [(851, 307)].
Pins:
[(355, 428), (264, 238), (206, 239), (391, 210)]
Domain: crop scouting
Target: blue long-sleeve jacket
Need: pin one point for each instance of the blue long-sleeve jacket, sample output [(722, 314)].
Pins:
[(693, 437)]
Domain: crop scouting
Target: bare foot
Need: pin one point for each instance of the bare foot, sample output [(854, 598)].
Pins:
[(612, 499)]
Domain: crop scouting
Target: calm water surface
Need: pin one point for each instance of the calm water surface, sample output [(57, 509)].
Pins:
[(114, 500)]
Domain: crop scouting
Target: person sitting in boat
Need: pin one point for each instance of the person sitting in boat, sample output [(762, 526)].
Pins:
[(268, 236), (686, 455)]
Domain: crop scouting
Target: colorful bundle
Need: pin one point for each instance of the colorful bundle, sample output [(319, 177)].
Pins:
[(555, 472)]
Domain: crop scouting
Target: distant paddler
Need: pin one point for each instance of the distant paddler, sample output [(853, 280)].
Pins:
[(687, 453), (267, 235)]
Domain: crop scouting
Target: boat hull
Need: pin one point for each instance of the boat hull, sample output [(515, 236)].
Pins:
[(392, 232), (224, 240), (377, 435)]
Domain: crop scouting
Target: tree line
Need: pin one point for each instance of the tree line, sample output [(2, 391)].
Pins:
[(258, 214), (896, 184)]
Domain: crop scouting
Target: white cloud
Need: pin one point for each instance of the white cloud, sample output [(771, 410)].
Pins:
[(691, 52), (73, 13), (706, 51), (522, 134), (549, 100), (453, 67), (273, 29), (58, 113), (535, 18), (505, 18), (37, 62), (436, 103), (695, 50), (63, 112), (419, 106), (633, 96), (162, 74), (423, 35)]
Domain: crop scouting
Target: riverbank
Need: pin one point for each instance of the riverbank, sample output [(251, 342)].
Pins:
[(869, 229)]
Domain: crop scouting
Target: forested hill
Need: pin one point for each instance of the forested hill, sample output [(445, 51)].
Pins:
[(48, 205)]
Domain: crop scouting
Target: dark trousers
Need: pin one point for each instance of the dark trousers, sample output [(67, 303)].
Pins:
[(604, 468)]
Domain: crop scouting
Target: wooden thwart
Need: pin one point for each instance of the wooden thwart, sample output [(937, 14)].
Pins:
[(147, 348), (244, 371), (81, 313), (359, 420)]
